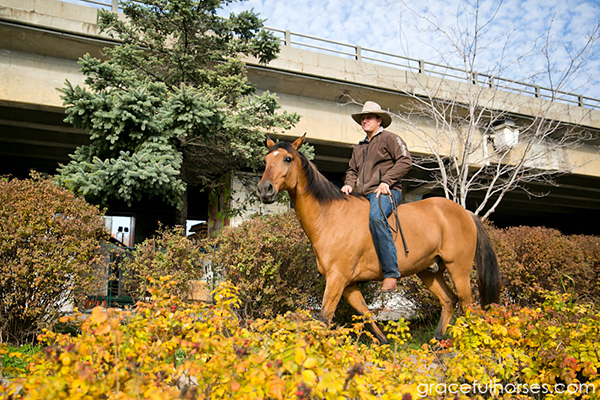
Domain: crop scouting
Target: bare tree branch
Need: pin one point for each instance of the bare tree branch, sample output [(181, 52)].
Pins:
[(470, 141)]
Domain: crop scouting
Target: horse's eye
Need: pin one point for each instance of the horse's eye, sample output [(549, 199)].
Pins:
[(287, 160)]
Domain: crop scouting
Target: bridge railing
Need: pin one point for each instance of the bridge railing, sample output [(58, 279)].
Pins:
[(359, 53), (356, 52)]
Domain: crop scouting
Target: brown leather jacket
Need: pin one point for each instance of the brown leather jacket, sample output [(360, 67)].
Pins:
[(383, 159)]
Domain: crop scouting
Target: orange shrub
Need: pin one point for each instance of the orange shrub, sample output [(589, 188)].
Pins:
[(169, 252), (527, 353), (534, 260), (173, 350), (48, 243)]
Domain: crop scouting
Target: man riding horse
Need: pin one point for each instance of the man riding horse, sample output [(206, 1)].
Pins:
[(378, 164), (438, 231)]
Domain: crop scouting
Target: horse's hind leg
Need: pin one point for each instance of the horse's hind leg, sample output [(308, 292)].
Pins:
[(356, 300), (461, 277), (437, 285)]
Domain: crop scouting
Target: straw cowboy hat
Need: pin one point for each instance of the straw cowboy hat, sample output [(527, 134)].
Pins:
[(371, 107)]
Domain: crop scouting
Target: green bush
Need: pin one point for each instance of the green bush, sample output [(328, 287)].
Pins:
[(272, 263), (171, 253), (48, 245)]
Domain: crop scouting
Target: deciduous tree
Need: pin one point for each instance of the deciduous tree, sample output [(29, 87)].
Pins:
[(482, 134)]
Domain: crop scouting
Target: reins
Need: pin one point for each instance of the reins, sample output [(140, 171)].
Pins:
[(395, 212)]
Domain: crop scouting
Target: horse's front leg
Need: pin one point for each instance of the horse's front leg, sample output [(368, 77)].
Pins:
[(355, 298), (334, 287)]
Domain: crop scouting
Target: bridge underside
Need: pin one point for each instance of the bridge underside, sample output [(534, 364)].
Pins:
[(38, 139)]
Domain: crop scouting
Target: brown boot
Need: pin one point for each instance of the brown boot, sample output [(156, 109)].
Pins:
[(389, 285)]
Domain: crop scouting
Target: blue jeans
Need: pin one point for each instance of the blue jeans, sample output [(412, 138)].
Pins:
[(380, 230)]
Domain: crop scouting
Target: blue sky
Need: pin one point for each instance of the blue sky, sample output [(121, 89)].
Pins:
[(511, 40)]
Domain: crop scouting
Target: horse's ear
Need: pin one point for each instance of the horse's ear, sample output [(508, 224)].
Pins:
[(270, 143), (298, 142)]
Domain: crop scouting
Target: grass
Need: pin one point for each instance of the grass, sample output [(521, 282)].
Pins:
[(420, 333), (14, 362)]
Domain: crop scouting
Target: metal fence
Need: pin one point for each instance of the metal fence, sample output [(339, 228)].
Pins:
[(417, 66), (110, 290), (113, 279)]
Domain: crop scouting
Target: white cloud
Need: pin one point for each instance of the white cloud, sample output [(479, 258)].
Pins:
[(387, 25)]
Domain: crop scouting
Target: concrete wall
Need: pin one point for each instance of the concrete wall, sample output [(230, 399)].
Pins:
[(33, 78)]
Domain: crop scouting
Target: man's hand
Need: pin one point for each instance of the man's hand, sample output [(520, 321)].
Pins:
[(383, 188), (346, 189)]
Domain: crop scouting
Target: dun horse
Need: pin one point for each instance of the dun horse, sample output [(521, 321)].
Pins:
[(436, 230)]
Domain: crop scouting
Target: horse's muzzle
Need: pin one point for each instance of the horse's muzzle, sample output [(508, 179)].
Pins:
[(266, 192)]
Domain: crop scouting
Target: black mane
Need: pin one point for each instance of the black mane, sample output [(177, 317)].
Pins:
[(320, 187)]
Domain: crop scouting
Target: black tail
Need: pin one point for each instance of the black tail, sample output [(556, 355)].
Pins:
[(488, 272)]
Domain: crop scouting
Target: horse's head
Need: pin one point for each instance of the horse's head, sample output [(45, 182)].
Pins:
[(281, 172)]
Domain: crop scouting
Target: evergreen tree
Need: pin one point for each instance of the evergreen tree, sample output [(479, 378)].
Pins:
[(171, 105)]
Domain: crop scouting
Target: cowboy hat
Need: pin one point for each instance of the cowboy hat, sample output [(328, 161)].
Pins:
[(370, 107)]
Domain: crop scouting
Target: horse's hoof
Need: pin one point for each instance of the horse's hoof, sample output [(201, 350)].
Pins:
[(383, 341)]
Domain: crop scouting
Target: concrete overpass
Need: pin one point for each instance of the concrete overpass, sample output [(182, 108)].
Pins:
[(41, 40)]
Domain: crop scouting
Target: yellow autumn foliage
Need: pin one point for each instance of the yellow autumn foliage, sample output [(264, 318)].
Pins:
[(169, 349)]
